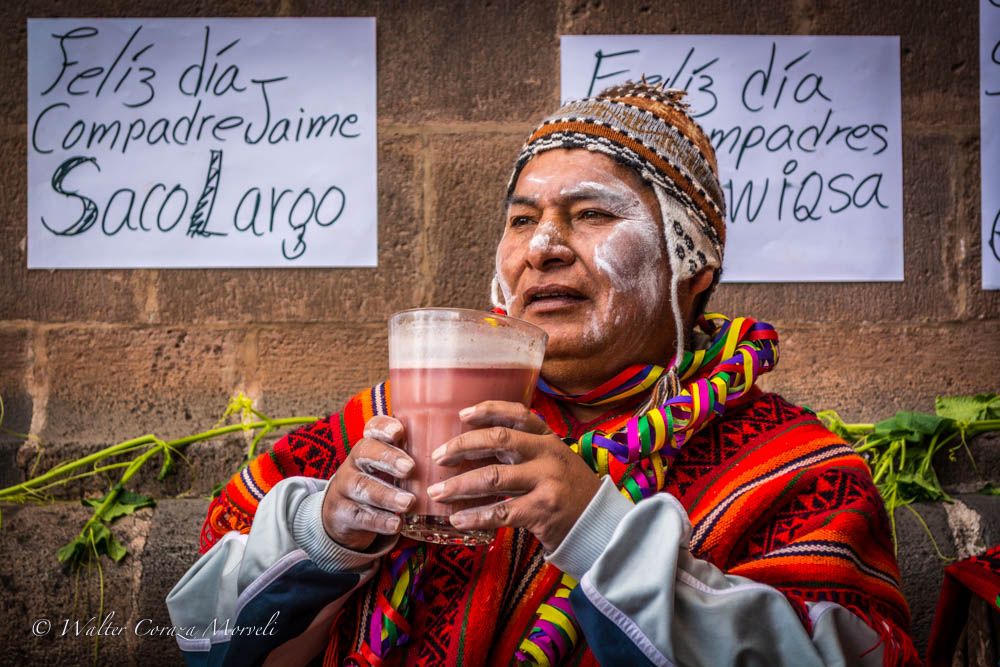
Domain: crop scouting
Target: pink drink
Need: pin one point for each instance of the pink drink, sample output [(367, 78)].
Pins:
[(427, 401), (441, 361)]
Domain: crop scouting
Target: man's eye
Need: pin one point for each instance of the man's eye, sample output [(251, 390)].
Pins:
[(520, 220), (593, 214)]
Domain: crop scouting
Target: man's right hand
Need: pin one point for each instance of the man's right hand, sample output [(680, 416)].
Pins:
[(359, 505)]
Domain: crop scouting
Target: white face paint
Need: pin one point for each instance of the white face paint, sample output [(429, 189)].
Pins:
[(505, 292), (628, 258), (631, 258), (621, 199), (608, 245), (544, 237)]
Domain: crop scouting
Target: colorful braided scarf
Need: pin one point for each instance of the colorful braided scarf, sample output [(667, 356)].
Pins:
[(636, 457)]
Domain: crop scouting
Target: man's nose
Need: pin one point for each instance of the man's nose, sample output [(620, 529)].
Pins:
[(548, 245)]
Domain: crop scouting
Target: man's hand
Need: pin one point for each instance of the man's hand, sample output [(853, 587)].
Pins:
[(359, 503), (549, 485)]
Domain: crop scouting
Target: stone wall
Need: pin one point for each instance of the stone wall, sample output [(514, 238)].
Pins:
[(88, 358)]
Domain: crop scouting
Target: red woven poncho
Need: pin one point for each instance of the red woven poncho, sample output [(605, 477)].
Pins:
[(772, 495)]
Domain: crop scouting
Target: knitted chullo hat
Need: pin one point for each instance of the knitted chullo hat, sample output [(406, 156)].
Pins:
[(649, 129)]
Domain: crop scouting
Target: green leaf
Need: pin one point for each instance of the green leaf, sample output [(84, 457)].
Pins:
[(990, 489), (126, 503), (107, 544), (920, 488), (81, 549), (922, 423), (965, 409), (75, 552), (888, 426)]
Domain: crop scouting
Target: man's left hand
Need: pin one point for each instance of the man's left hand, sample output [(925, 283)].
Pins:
[(548, 485)]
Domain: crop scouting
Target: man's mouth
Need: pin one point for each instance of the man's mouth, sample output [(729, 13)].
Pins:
[(544, 298)]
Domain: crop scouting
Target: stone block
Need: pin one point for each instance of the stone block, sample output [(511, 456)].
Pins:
[(469, 176), (203, 466), (343, 295), (988, 510), (314, 369), (111, 384), (921, 569), (870, 372), (467, 61), (166, 384), (15, 362), (172, 548), (929, 289), (939, 54), (601, 17), (197, 469), (430, 74), (231, 8), (35, 587), (960, 476)]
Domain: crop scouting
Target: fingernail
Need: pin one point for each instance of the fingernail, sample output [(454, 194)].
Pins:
[(404, 465), (403, 499), (393, 523), (435, 489), (465, 412), (460, 520), (439, 453)]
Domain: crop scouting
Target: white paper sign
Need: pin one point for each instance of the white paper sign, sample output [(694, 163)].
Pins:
[(989, 116), (807, 132), (201, 143)]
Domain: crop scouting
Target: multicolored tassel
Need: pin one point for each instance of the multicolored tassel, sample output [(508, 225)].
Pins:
[(740, 351)]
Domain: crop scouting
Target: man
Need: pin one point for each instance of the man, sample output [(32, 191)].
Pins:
[(658, 507)]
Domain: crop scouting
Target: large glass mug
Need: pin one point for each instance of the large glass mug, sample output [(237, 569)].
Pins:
[(440, 361)]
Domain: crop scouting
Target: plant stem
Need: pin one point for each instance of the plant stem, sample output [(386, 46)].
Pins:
[(41, 481), (982, 426), (34, 491), (114, 450), (858, 429), (100, 604), (927, 530)]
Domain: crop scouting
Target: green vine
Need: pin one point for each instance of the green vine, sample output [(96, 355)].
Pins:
[(901, 450), (96, 538)]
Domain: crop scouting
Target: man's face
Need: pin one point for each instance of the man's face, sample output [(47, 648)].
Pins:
[(583, 257)]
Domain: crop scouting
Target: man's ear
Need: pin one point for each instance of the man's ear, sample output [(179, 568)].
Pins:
[(701, 281), (691, 293)]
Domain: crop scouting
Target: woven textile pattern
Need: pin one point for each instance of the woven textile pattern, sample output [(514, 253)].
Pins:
[(772, 495)]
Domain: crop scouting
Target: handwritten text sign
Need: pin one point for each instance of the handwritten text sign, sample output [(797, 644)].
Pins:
[(807, 132), (989, 115), (201, 143)]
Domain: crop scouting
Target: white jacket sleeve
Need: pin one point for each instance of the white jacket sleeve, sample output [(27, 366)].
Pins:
[(269, 597), (643, 599)]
